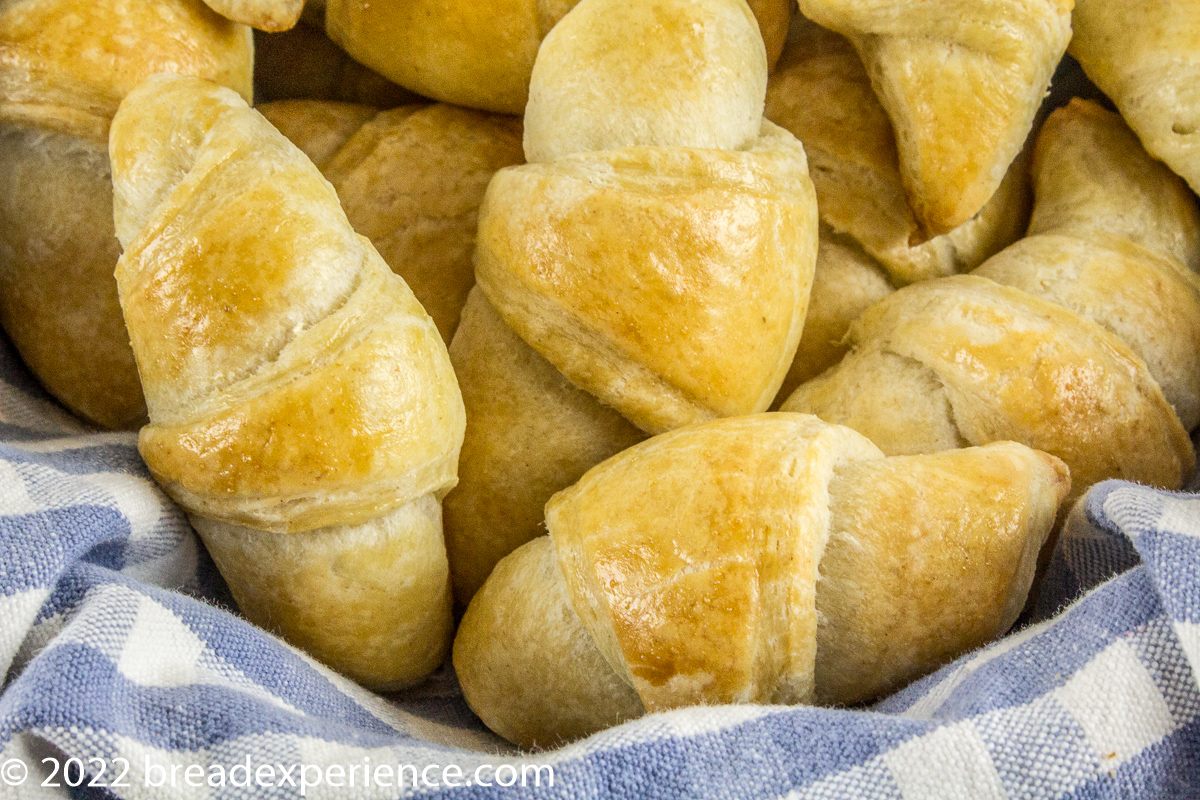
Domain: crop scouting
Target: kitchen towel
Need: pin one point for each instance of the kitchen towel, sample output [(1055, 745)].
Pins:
[(126, 665)]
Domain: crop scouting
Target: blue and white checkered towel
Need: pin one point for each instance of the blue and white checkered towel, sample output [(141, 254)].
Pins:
[(121, 653)]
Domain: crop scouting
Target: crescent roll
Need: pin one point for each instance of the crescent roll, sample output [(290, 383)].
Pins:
[(65, 66), (870, 237), (765, 559), (477, 53), (303, 408), (962, 81), (653, 261), (411, 180), (1145, 55), (964, 361), (1112, 238), (1091, 349)]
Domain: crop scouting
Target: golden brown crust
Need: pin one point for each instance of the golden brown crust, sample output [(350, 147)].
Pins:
[(472, 53), (294, 383), (66, 64), (1149, 302), (691, 602), (961, 81), (1111, 233), (1145, 55), (999, 364), (700, 319), (821, 93), (266, 330), (687, 568), (530, 433), (664, 281)]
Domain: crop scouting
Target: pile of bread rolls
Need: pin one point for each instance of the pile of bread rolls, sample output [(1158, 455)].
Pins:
[(755, 363)]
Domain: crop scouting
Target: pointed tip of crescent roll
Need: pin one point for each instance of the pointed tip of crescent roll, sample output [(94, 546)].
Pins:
[(961, 84)]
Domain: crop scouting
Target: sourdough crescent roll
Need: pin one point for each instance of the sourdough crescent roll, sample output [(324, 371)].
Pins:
[(871, 240), (963, 360), (1112, 238), (303, 408), (64, 67), (652, 262), (961, 80), (1081, 339), (476, 53), (763, 559)]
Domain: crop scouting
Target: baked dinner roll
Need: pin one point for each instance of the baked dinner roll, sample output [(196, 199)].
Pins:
[(820, 92), (66, 65), (702, 85), (870, 237), (411, 180), (1112, 236), (657, 280), (266, 15), (303, 408), (479, 53), (304, 64), (1145, 55), (764, 559), (965, 361), (961, 80), (1089, 350)]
